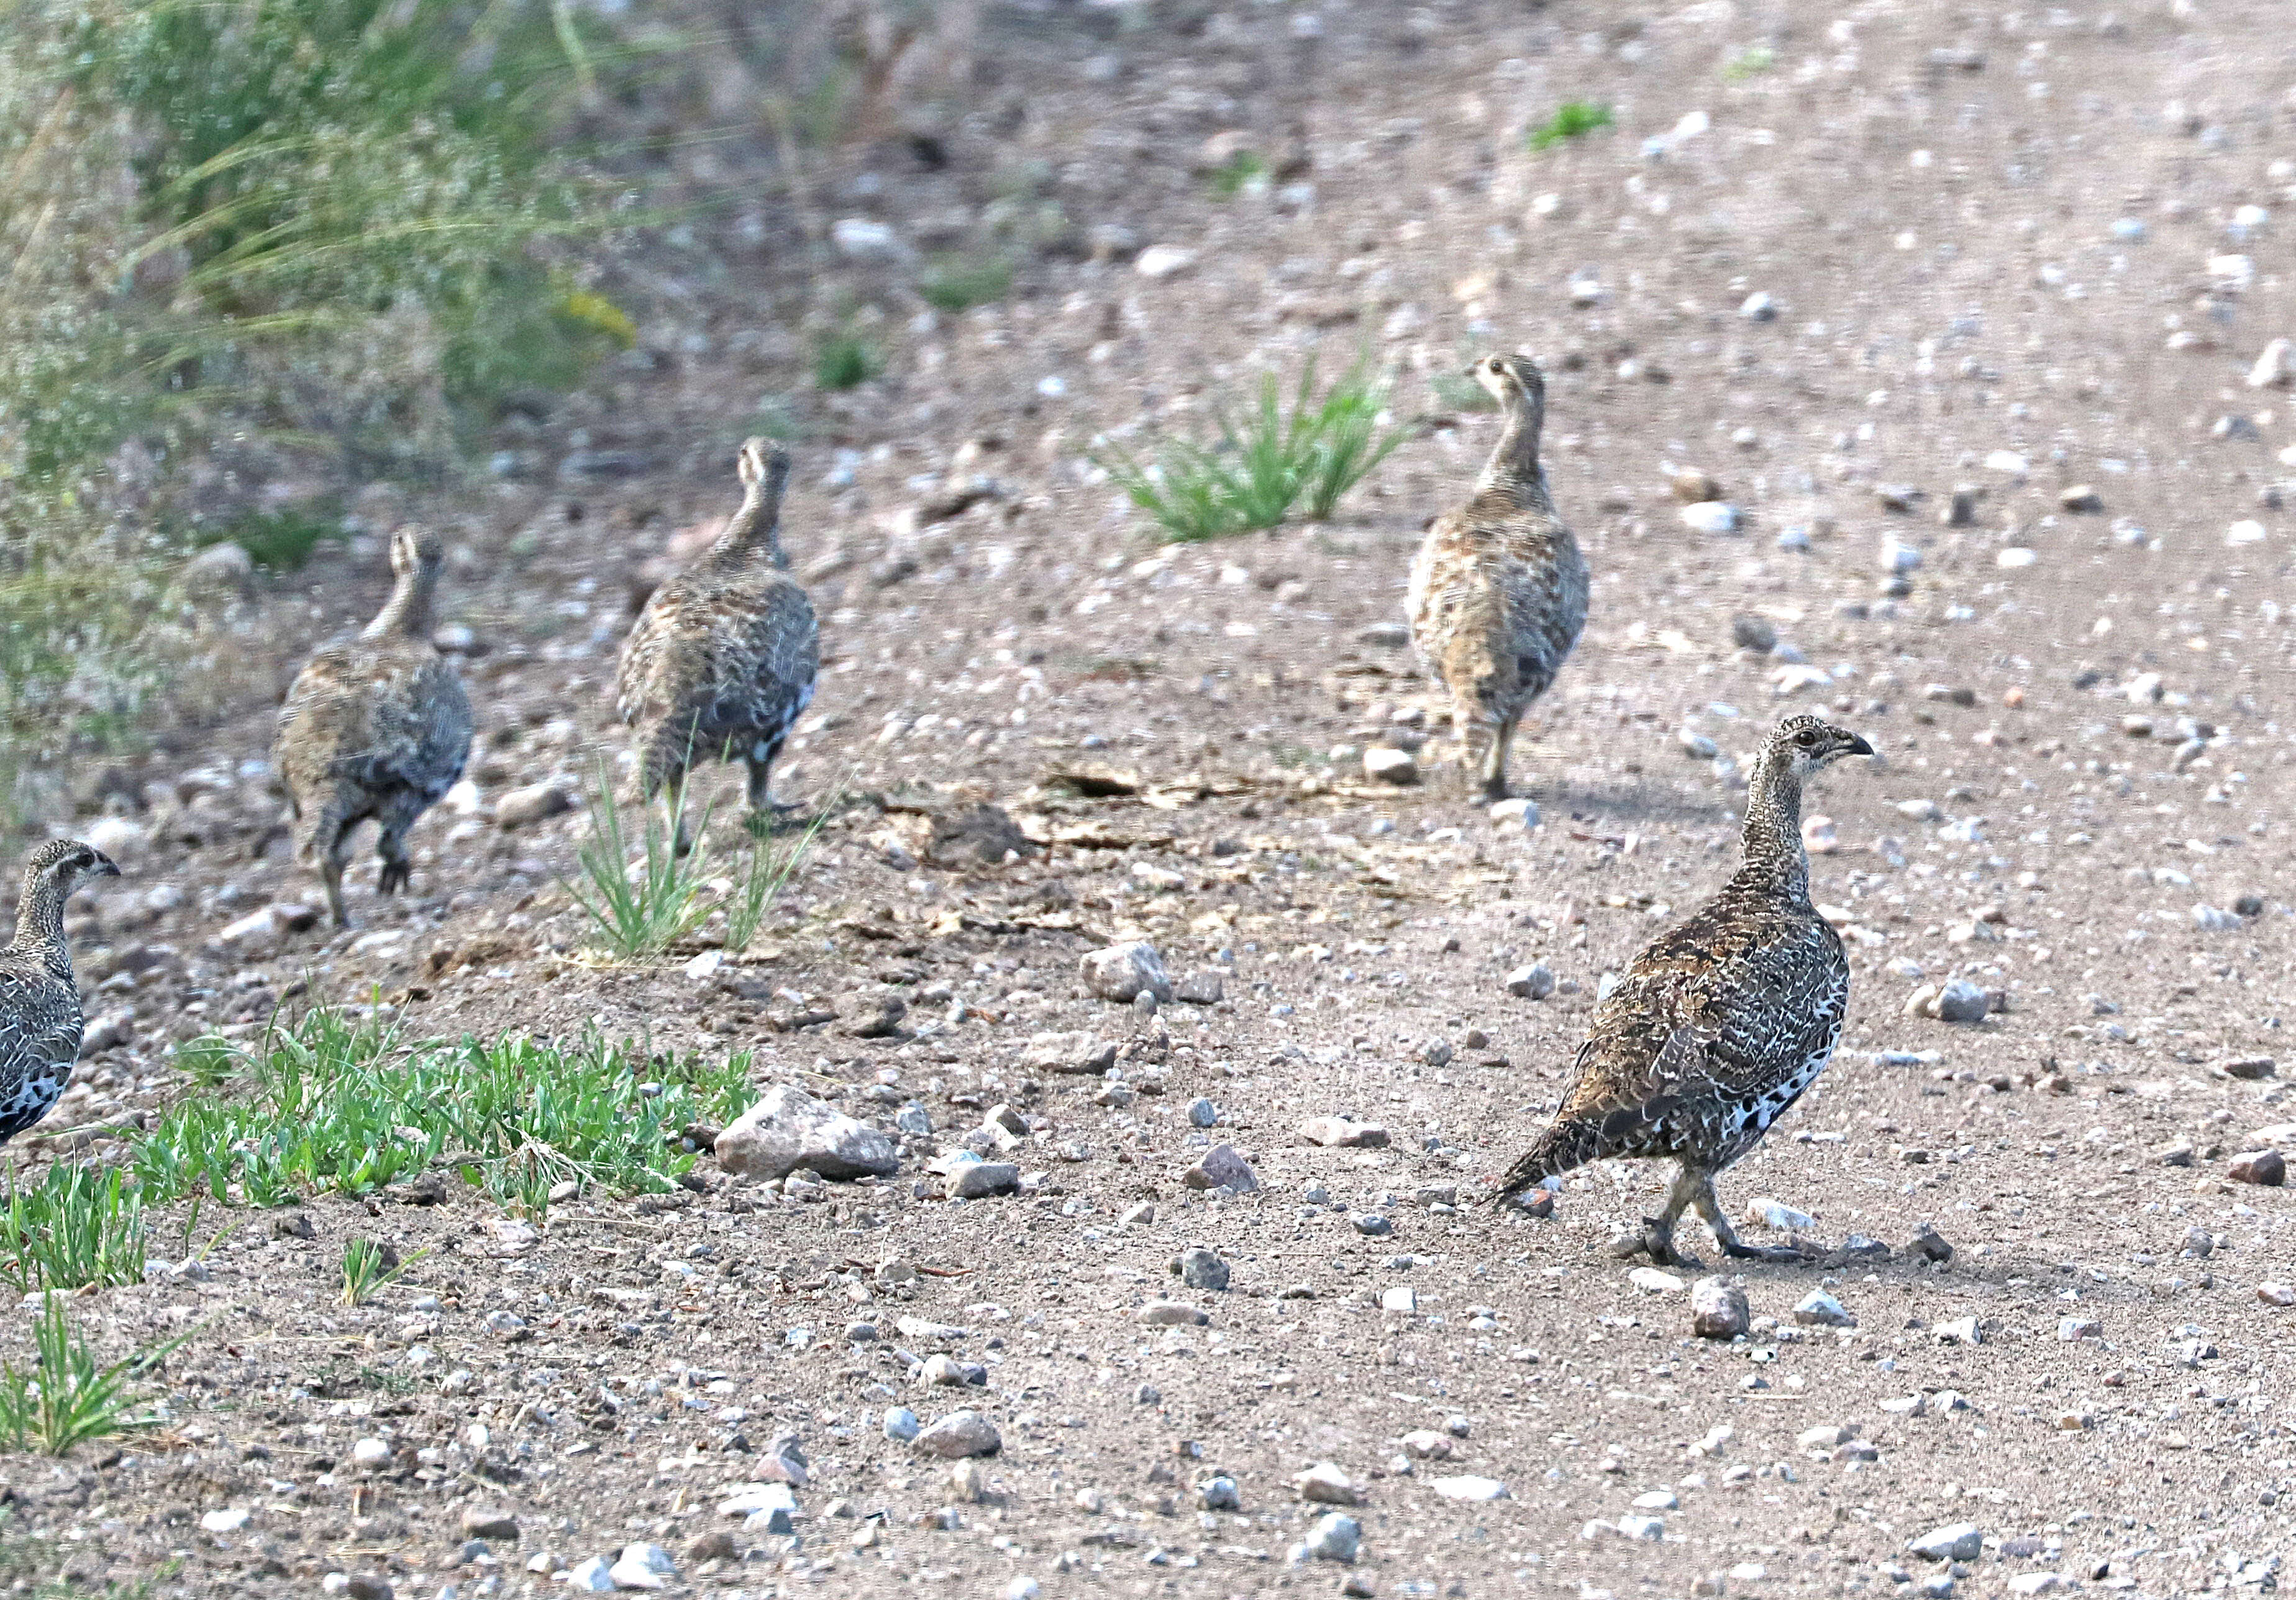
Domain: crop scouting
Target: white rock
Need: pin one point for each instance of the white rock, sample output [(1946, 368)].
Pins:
[(1758, 307), (230, 1520), (2016, 555), (1325, 1484), (370, 1453), (1636, 1526), (1519, 812), (1122, 972), (2276, 364), (2244, 532), (1334, 1538), (1962, 1001), (1955, 1541), (1382, 765), (591, 1577), (2006, 461), (1399, 1298), (642, 1567), (1818, 1308), (1711, 516), (960, 1434), (1468, 1487), (2212, 919), (1779, 1216), (1532, 982), (1163, 260), (536, 802), (1650, 1280), (463, 798), (862, 240), (788, 1129)]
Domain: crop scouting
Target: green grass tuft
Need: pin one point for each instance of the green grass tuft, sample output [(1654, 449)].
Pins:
[(68, 1399), (958, 285), (644, 895), (80, 1227), (1309, 455), (1245, 171), (279, 541), (368, 1264), (339, 1104), (1572, 120), (846, 362), (1750, 63)]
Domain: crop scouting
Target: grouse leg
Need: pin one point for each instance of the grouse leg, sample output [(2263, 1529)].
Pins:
[(331, 876), (1710, 1207), (759, 821), (1495, 760), (1656, 1240), (391, 846)]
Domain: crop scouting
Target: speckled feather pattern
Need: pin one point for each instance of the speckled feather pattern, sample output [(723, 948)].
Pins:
[(377, 727), (1498, 588), (1718, 1025), (724, 659), (40, 1017), (373, 728)]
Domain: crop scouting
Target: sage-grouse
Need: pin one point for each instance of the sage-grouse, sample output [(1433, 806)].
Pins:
[(722, 661), (377, 727), (39, 1003), (1498, 590), (1718, 1026)]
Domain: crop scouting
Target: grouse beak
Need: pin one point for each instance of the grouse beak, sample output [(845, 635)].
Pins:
[(1858, 746)]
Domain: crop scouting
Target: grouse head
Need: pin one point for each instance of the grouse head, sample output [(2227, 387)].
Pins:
[(61, 866), (1806, 744), (1513, 380), (415, 552), (763, 462)]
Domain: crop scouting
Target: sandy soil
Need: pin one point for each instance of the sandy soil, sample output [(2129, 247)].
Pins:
[(2007, 250)]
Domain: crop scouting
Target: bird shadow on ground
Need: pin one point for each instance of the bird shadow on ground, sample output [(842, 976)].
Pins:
[(1597, 804)]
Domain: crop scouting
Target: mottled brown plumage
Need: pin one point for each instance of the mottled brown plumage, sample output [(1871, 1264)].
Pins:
[(39, 1002), (377, 727), (1720, 1024), (1498, 590), (722, 661)]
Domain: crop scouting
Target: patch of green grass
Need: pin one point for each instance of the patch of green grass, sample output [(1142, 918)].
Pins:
[(1572, 120), (1245, 170), (766, 874), (78, 1227), (644, 896), (1273, 458), (68, 1398), (338, 1105), (846, 361), (279, 541), (1750, 63), (368, 1264), (955, 284), (1454, 393)]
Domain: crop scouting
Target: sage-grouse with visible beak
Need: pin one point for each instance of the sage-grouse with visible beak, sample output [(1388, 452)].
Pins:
[(1719, 1025)]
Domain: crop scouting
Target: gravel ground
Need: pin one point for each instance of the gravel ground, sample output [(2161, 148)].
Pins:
[(1964, 313)]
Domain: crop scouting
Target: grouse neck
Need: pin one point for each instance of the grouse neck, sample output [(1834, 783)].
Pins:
[(407, 612), (756, 527), (40, 925), (1514, 464), (1771, 837)]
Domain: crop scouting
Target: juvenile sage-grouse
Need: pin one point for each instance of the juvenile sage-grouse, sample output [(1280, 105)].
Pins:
[(39, 1003), (1498, 590), (1719, 1025), (377, 727), (722, 661)]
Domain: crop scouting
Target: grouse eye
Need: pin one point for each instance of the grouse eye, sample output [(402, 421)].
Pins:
[(1806, 738)]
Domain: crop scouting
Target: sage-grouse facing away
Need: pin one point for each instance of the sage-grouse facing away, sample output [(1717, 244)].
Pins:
[(722, 661), (1718, 1026), (1498, 590), (39, 1003), (377, 727)]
